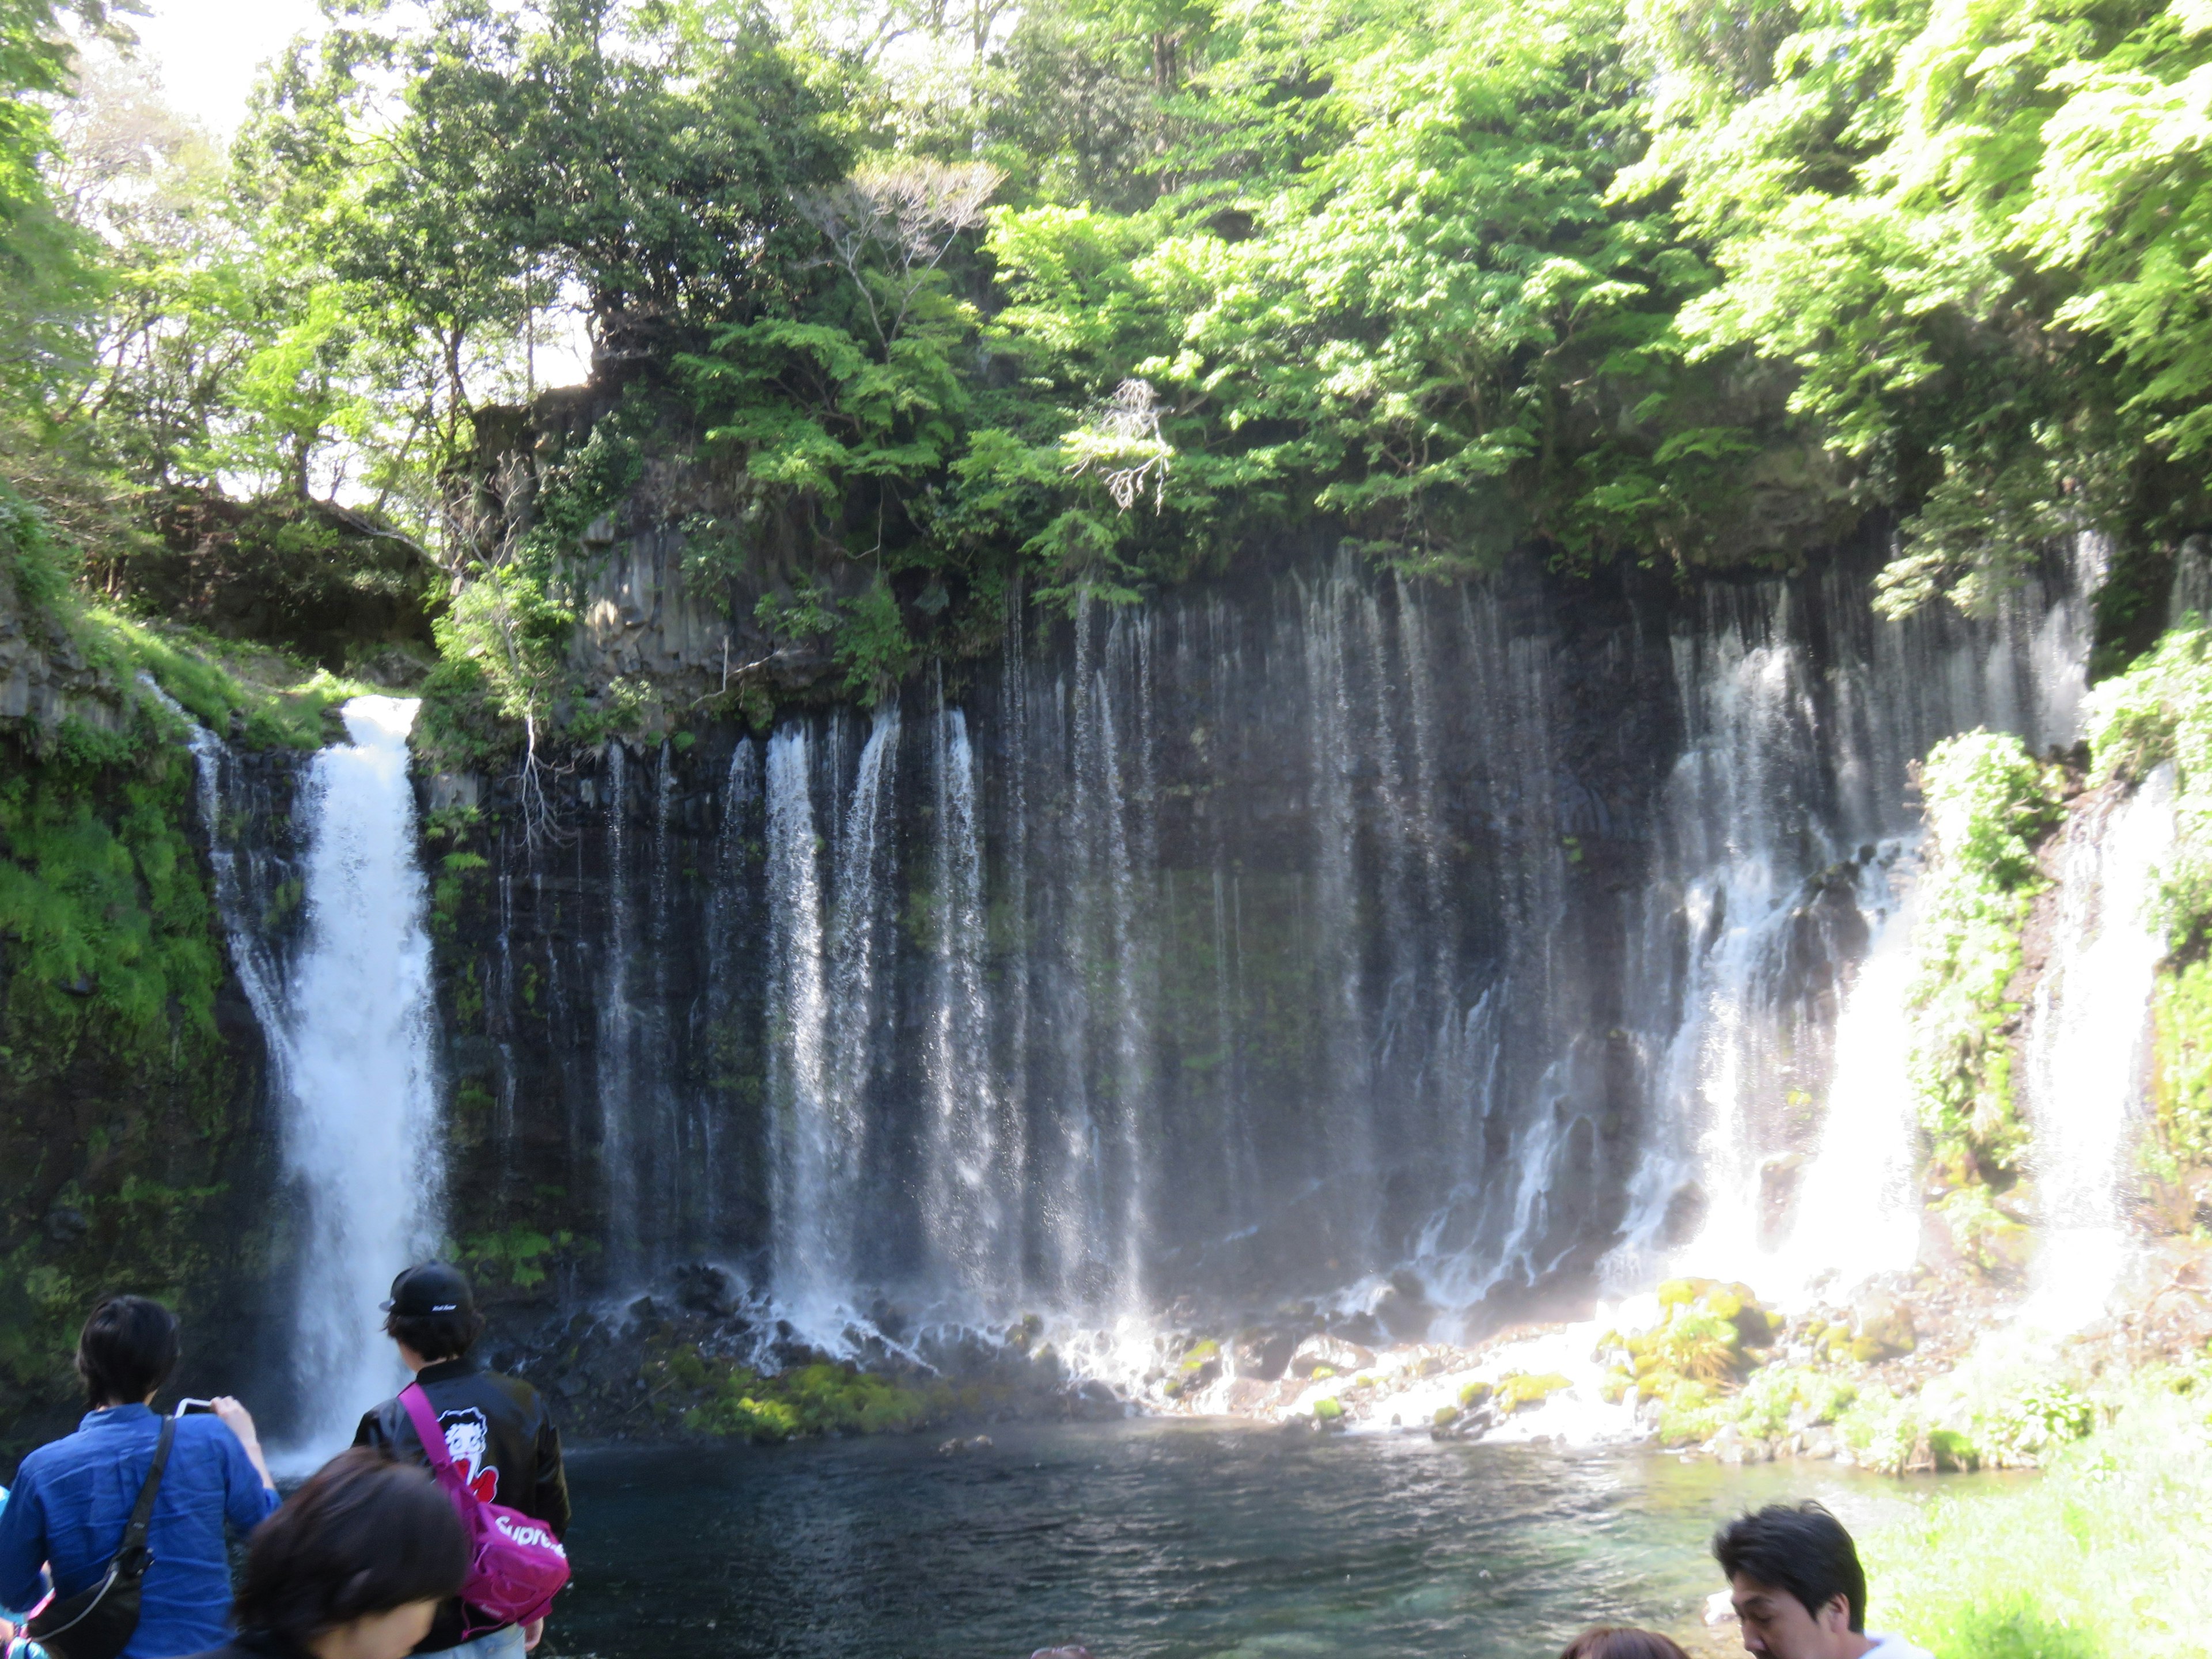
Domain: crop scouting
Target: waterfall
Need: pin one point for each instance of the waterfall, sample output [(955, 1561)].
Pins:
[(2087, 1027), (968, 1169), (1858, 1210), (1276, 938), (808, 1253), (865, 904), (356, 1083)]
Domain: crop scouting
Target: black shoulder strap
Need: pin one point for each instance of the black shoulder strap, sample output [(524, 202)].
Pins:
[(134, 1536)]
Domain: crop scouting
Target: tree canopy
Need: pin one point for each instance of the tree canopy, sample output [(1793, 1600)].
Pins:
[(1097, 294)]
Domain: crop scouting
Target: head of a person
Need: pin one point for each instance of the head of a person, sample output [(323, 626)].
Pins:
[(126, 1350), (1794, 1577), (433, 1312), (1620, 1641), (355, 1562)]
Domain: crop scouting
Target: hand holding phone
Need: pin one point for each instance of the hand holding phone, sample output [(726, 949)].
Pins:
[(188, 1407)]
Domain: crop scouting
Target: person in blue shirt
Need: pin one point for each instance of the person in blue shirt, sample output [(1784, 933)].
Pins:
[(73, 1497)]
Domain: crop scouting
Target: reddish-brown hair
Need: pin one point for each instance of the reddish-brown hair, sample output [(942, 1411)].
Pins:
[(1609, 1642)]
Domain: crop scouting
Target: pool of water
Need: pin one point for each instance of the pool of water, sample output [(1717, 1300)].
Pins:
[(1149, 1540)]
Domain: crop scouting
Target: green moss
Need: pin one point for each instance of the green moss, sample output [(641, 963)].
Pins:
[(1989, 803), (1781, 1399), (1329, 1411), (1519, 1389), (1690, 1411), (2182, 1074), (1989, 1241), (821, 1399), (519, 1258)]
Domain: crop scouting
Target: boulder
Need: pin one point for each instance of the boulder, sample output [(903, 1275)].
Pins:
[(1333, 1353), (1402, 1306), (1361, 1329), (1265, 1353), (1886, 1322)]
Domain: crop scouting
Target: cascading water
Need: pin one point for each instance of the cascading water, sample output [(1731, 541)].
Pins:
[(356, 1078), (1265, 940), (2086, 1040), (1857, 1211), (1771, 884), (966, 1205), (806, 1155)]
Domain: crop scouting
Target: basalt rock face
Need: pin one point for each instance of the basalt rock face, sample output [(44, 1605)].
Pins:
[(1247, 946), (134, 1154), (322, 579)]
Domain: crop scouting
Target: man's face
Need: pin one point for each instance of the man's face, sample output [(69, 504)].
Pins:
[(1776, 1627)]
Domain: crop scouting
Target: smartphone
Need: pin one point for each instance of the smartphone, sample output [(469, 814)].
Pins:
[(185, 1407)]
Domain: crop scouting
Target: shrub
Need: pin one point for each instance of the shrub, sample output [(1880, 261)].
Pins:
[(1989, 803)]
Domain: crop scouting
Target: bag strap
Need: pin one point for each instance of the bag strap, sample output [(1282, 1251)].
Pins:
[(141, 1516), (416, 1400)]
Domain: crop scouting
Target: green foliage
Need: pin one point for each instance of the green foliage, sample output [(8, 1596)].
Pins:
[(517, 1258), (1781, 1400), (2160, 712), (1943, 221), (2103, 1554), (1989, 802), (1709, 1337), (2182, 1074), (103, 915), (1991, 1241), (821, 1399), (1690, 1413)]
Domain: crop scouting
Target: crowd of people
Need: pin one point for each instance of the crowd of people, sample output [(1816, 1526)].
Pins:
[(437, 1530)]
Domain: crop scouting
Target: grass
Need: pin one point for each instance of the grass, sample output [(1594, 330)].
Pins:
[(284, 700), (2107, 1553)]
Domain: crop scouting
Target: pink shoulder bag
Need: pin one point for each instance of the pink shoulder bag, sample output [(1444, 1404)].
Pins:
[(516, 1566)]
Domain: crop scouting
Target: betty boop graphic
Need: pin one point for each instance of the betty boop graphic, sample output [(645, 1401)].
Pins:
[(468, 1443)]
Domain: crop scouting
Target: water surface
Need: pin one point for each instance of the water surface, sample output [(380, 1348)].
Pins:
[(1149, 1540)]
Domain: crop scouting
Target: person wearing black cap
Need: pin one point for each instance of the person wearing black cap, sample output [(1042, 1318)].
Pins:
[(497, 1433)]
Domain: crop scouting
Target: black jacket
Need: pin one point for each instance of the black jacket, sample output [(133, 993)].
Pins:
[(501, 1440)]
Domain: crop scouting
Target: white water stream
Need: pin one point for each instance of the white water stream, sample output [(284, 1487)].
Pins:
[(2086, 1034), (349, 1030), (1858, 1212), (354, 1080)]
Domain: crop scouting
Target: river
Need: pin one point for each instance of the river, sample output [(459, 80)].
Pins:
[(1151, 1539)]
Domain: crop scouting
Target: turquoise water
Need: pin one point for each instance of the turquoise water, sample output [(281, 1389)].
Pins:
[(1150, 1539)]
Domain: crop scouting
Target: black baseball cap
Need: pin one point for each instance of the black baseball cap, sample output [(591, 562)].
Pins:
[(431, 1288)]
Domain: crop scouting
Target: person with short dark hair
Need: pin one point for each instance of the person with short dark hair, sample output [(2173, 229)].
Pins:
[(73, 1498), (497, 1433), (354, 1566), (1799, 1591), (1622, 1642)]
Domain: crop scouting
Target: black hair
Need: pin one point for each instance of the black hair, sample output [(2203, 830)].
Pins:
[(1801, 1548), (1620, 1641), (436, 1336), (127, 1349), (364, 1535)]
